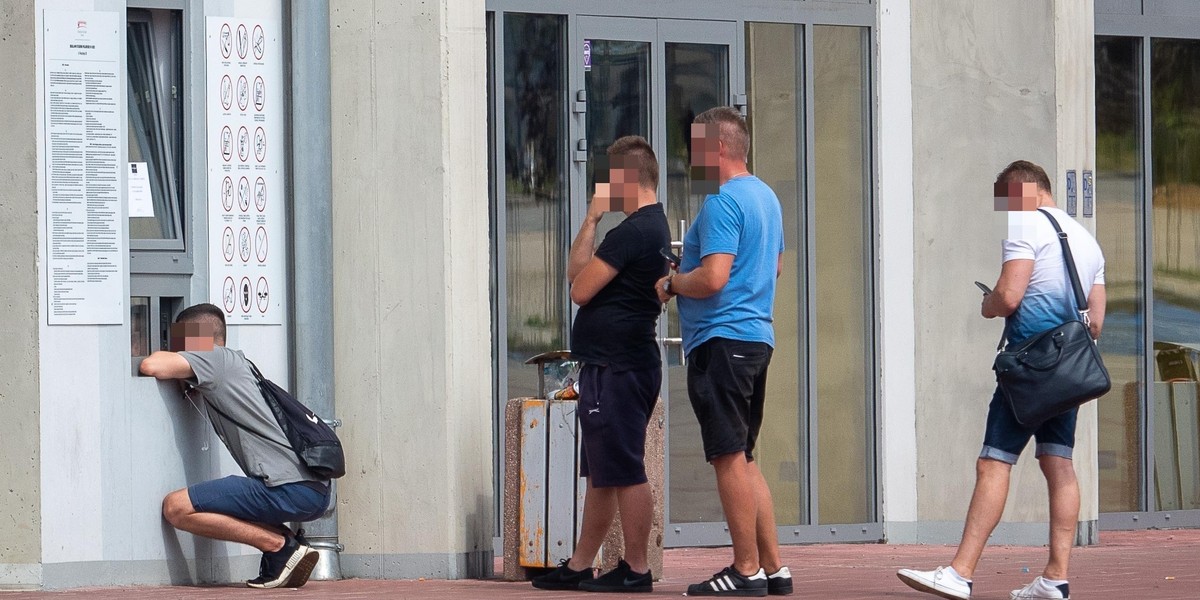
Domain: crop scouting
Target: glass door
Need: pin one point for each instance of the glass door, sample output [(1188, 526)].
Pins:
[(651, 77)]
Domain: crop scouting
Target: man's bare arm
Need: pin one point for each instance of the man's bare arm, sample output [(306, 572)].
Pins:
[(703, 281), (166, 365), (1009, 290), (1097, 298), (594, 276)]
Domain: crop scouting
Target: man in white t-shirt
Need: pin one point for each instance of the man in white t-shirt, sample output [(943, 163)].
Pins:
[(1033, 294)]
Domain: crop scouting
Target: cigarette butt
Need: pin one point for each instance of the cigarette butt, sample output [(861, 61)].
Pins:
[(1170, 579)]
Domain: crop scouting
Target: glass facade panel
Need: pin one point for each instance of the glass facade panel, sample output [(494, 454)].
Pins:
[(697, 77), (842, 280), (773, 67), (535, 189), (1119, 184), (1175, 215)]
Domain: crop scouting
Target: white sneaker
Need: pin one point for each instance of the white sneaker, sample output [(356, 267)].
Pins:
[(1040, 589), (944, 582)]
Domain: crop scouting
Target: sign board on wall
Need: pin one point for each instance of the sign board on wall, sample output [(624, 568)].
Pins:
[(85, 221), (245, 139)]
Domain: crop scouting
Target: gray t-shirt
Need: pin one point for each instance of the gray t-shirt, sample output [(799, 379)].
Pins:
[(242, 418)]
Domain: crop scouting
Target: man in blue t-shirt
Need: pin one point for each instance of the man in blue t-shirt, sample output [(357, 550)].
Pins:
[(614, 337), (726, 290)]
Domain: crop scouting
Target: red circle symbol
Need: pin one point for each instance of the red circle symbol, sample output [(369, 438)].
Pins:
[(229, 295), (263, 295)]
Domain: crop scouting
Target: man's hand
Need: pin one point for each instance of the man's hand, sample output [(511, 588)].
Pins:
[(660, 287), (600, 204), (166, 365)]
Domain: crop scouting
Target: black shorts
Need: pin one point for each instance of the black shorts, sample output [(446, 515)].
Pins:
[(727, 384), (614, 410)]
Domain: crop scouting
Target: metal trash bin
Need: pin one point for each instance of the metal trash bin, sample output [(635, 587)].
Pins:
[(543, 494)]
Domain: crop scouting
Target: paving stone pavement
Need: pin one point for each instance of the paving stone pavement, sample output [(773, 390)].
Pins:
[(1141, 565)]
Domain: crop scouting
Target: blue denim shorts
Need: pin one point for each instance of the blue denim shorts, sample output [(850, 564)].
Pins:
[(1005, 438), (252, 500)]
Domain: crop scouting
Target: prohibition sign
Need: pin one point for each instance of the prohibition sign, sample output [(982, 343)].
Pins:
[(260, 144), (229, 295), (226, 92), (244, 244), (259, 42), (227, 193), (247, 294), (243, 41), (226, 47), (260, 244), (227, 247), (260, 93), (243, 143), (243, 91), (264, 295), (260, 194), (226, 143), (244, 194)]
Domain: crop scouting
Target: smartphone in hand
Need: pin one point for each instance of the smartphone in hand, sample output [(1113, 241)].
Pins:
[(670, 256), (986, 290)]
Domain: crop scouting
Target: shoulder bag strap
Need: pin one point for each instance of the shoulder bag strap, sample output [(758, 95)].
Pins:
[(1080, 300)]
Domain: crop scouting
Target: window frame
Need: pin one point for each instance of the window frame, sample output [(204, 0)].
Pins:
[(168, 256)]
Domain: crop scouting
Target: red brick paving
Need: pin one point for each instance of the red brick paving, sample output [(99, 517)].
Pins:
[(1139, 565)]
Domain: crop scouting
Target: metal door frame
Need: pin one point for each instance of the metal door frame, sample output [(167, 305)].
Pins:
[(1147, 22)]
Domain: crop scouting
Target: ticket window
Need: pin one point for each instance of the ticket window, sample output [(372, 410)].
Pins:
[(159, 219)]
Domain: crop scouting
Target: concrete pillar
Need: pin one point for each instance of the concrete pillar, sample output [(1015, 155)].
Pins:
[(20, 441), (412, 356), (992, 82), (1075, 90)]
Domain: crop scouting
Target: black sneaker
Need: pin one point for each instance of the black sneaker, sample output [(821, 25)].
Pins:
[(731, 583), (621, 580), (779, 583), (290, 566), (562, 578)]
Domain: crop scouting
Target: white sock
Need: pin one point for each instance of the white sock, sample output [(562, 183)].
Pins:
[(1054, 582), (955, 573)]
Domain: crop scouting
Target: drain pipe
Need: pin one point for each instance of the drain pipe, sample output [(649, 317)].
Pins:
[(312, 241)]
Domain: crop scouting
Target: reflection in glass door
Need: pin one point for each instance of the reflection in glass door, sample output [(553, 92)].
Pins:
[(697, 79), (1120, 180), (1175, 211)]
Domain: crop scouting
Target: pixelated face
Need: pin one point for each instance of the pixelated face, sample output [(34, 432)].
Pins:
[(706, 157), (194, 337), (1015, 196), (616, 183)]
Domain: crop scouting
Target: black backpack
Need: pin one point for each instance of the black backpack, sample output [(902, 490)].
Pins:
[(310, 437)]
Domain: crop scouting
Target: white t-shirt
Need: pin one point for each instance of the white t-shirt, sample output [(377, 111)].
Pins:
[(1049, 301)]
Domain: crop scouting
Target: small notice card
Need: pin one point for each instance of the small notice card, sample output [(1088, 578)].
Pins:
[(141, 202)]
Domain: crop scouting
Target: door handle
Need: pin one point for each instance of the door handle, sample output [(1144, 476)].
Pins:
[(675, 341)]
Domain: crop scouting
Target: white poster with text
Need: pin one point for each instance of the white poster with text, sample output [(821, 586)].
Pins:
[(245, 140), (85, 237)]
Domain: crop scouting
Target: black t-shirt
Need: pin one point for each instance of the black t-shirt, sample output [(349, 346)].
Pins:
[(617, 328)]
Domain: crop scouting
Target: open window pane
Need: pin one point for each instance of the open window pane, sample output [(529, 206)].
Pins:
[(155, 139)]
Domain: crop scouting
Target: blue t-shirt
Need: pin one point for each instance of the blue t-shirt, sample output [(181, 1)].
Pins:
[(744, 219)]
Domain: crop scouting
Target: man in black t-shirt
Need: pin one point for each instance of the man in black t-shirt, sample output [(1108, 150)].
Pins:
[(614, 337)]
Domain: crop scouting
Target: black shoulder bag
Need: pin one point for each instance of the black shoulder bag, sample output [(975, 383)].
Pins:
[(1057, 369), (313, 441)]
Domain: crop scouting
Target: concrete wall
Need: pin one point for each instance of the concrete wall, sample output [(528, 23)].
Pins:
[(20, 527), (987, 89), (411, 306)]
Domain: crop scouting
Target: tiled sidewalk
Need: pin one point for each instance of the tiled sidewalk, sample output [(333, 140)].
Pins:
[(1143, 565)]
